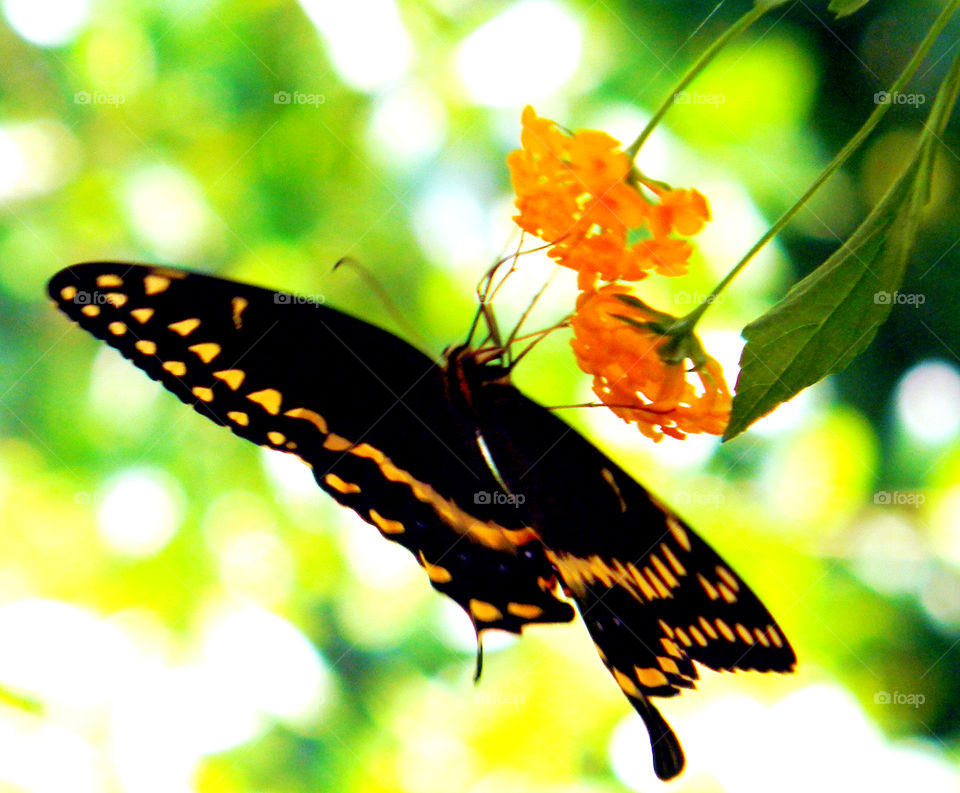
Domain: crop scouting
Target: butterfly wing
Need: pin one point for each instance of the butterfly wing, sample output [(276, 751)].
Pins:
[(654, 596), (365, 410)]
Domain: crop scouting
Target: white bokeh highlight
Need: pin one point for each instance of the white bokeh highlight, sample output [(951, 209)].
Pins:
[(366, 40), (140, 513), (168, 212), (928, 401), (528, 52), (47, 23)]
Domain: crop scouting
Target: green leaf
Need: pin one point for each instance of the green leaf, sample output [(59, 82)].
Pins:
[(844, 8), (830, 316)]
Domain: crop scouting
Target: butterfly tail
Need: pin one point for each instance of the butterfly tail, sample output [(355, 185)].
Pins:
[(668, 759)]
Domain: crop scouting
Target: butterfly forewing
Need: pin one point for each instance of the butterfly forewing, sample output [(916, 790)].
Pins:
[(364, 409)]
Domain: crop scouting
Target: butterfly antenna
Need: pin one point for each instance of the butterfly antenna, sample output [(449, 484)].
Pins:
[(526, 314), (537, 337), (371, 281)]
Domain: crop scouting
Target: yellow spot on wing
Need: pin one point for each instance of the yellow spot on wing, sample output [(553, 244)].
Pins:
[(682, 636), (668, 665), (657, 583), (90, 311), (117, 328), (436, 573), (774, 636), (276, 438), (578, 573), (744, 633), (239, 417), (670, 647), (674, 562), (626, 684), (527, 611), (698, 637), (339, 485), (608, 478), (335, 443), (306, 414), (115, 299), (678, 531), (521, 536), (68, 293), (483, 611), (707, 587), (725, 630), (232, 377), (142, 315), (708, 628), (652, 678), (727, 576), (185, 326), (146, 347), (238, 304), (176, 368), (203, 394), (487, 533), (665, 574), (726, 593), (109, 280), (386, 525), (761, 637), (269, 399), (206, 352), (169, 272), (155, 284)]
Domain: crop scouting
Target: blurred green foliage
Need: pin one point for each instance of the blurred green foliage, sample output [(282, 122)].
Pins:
[(157, 575)]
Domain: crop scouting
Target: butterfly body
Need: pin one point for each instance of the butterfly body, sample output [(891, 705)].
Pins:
[(509, 510)]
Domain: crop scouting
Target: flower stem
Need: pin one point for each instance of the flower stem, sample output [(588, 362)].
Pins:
[(698, 66), (842, 156)]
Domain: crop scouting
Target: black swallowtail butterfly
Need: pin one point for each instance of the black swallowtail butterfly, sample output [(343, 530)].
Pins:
[(435, 455)]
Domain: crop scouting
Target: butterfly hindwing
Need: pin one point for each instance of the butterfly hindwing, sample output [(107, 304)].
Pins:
[(654, 596), (364, 409)]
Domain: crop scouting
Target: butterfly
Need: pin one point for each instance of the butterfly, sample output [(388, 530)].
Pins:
[(510, 511)]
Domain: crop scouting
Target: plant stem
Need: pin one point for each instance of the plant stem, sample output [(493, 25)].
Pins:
[(842, 156), (698, 66)]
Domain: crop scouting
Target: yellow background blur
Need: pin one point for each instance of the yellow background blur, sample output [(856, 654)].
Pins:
[(180, 611)]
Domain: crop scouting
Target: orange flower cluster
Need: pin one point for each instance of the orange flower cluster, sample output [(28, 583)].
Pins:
[(630, 374), (579, 193)]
